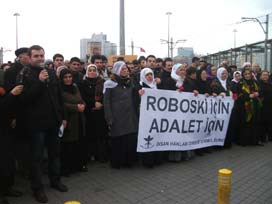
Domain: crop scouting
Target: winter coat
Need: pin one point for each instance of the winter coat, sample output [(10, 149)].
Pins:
[(120, 108), (42, 101), (75, 120)]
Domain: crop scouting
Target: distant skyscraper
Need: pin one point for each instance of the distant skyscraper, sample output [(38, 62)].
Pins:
[(186, 51), (98, 44)]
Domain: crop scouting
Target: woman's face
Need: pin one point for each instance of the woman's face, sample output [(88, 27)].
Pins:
[(203, 75), (237, 76), (265, 76), (181, 72), (124, 71), (213, 71), (92, 72), (224, 75), (68, 79), (149, 77), (247, 75)]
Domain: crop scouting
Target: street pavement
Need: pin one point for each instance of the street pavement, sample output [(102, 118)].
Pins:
[(188, 182)]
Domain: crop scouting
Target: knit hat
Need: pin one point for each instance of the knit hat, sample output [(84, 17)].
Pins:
[(21, 51)]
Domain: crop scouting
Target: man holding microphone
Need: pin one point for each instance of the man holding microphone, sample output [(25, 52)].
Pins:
[(42, 100)]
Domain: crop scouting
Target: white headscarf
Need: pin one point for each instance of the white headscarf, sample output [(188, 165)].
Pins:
[(117, 67), (88, 68), (144, 72), (246, 64), (109, 84), (236, 72), (219, 74), (176, 77)]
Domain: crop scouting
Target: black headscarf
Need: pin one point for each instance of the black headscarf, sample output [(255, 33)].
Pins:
[(67, 88), (202, 86)]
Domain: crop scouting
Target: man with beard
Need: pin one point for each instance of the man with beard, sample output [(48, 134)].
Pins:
[(42, 101)]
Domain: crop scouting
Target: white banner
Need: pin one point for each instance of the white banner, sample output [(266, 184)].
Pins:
[(171, 120)]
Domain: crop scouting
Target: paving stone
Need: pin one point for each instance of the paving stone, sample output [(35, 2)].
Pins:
[(190, 182)]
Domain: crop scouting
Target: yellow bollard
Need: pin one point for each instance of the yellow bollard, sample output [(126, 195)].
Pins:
[(72, 202), (224, 186)]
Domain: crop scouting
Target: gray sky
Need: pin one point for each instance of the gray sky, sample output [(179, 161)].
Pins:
[(58, 25)]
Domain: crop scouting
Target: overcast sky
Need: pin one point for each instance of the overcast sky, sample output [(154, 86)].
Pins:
[(58, 25)]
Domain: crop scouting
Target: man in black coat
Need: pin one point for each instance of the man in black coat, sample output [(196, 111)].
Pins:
[(42, 101), (11, 74), (21, 143), (7, 167)]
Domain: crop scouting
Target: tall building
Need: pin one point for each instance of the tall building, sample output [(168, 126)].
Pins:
[(186, 52), (98, 44)]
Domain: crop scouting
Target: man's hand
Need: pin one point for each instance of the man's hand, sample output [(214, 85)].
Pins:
[(80, 108), (64, 123), (17, 90), (43, 76)]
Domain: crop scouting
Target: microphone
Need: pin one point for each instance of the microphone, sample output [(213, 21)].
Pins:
[(42, 65)]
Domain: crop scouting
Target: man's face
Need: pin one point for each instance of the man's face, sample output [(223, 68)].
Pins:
[(75, 66), (142, 64), (159, 64), (168, 65), (151, 62), (104, 64), (202, 64), (130, 67), (98, 63), (197, 63), (58, 62), (37, 58), (24, 58)]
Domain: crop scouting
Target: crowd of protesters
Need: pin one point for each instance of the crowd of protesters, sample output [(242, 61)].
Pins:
[(57, 116)]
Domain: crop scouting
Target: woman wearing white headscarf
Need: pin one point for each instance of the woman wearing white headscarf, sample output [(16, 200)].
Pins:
[(147, 81), (120, 108), (221, 86), (178, 74), (237, 75), (96, 129)]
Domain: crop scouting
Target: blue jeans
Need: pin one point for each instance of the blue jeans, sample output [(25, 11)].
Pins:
[(40, 139)]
